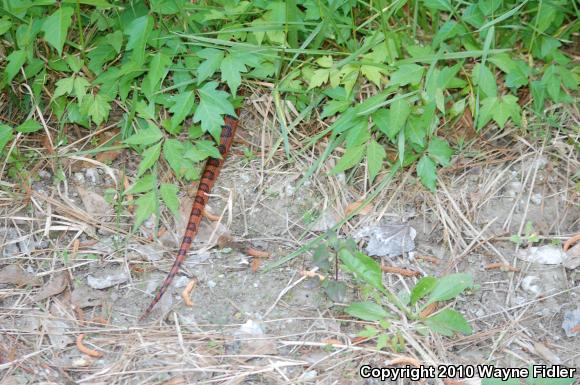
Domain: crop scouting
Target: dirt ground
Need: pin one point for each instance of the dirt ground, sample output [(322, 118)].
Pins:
[(71, 267)]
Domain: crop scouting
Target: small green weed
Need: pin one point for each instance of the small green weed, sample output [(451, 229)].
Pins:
[(530, 237), (328, 254)]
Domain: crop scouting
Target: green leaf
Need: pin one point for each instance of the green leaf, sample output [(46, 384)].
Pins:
[(333, 107), (364, 267), (545, 17), (372, 73), (427, 172), (367, 311), (75, 63), (485, 80), (145, 137), (15, 61), (407, 74), (500, 109), (422, 288), (165, 7), (143, 184), (80, 86), (6, 135), (399, 112), (115, 39), (440, 5), (382, 341), (458, 108), (148, 158), (98, 108), (158, 69), (538, 95), (56, 26), (29, 126), (381, 119), (208, 149), (181, 109), (335, 290), (368, 332), (549, 381), (517, 70), (488, 106), (416, 130), (447, 322), (489, 6), (450, 286), (5, 25), (146, 205), (213, 58), (64, 87), (212, 106), (173, 154), (401, 147), (319, 77), (352, 156), (231, 67), (168, 192), (138, 31), (145, 110), (376, 154), (518, 77), (500, 381), (94, 3), (440, 151)]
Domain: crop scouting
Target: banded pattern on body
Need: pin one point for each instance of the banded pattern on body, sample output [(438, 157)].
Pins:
[(208, 178)]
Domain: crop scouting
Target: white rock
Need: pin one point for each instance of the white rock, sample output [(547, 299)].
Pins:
[(532, 285), (546, 255)]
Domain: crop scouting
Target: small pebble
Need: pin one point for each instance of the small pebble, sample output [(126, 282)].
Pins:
[(92, 174)]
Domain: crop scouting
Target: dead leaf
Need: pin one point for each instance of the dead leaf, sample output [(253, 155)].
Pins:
[(326, 220), (546, 353), (53, 287), (94, 203), (83, 296), (57, 332), (105, 279), (355, 205), (15, 275), (108, 157)]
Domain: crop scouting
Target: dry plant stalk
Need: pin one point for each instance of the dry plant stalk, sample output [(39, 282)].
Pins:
[(355, 205), (86, 350), (429, 258), (210, 216), (400, 271), (571, 241), (405, 361), (185, 294), (312, 274), (430, 309), (501, 266)]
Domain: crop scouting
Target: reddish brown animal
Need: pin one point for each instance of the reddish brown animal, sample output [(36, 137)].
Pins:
[(208, 178)]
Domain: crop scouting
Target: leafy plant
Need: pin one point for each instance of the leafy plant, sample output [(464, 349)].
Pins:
[(530, 235), (388, 93)]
